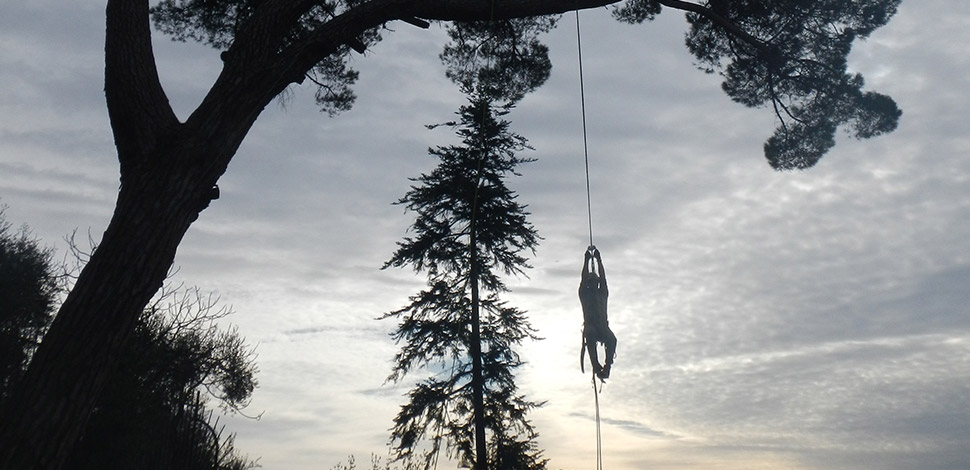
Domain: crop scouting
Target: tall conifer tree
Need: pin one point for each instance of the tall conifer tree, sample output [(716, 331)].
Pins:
[(469, 231)]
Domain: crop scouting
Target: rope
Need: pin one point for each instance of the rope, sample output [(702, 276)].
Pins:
[(599, 439), (589, 216), (582, 100)]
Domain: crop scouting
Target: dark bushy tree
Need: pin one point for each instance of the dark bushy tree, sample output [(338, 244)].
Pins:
[(28, 295), (469, 230), (154, 413), (773, 53)]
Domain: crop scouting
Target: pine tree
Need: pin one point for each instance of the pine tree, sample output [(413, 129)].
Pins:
[(469, 231)]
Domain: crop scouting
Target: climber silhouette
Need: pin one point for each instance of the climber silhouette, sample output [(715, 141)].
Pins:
[(593, 294)]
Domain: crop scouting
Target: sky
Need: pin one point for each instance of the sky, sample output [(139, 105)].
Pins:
[(800, 320)]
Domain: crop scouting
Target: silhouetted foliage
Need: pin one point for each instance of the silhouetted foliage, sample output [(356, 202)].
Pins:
[(217, 23), (468, 231), (792, 56), (28, 294), (502, 60), (154, 414), (376, 463), (637, 11)]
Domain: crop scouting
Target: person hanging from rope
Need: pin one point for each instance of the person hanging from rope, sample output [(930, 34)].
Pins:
[(593, 294)]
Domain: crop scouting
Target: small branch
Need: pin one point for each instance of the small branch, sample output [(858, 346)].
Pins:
[(730, 27), (416, 22)]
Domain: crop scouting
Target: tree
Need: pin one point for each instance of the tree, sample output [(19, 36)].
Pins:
[(468, 230), (154, 413), (776, 53), (28, 294), (476, 215)]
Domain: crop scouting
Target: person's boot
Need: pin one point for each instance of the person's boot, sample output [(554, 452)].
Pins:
[(604, 373)]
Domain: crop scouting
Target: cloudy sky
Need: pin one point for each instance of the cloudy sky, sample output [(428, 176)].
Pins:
[(810, 320)]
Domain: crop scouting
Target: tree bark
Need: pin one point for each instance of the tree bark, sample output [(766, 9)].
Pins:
[(478, 377), (66, 376)]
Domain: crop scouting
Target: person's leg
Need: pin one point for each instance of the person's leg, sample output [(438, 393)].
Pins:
[(582, 353), (610, 342), (591, 340)]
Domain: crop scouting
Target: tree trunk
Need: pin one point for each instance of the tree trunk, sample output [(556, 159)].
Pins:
[(478, 379), (168, 171), (51, 407)]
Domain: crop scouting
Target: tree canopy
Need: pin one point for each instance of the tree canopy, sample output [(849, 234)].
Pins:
[(789, 56), (793, 58)]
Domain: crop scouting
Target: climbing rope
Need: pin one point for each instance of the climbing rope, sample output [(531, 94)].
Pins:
[(599, 439), (589, 217), (582, 101)]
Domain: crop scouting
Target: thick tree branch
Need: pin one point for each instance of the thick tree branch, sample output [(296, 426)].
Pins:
[(346, 27), (260, 59), (481, 10), (259, 67), (137, 106)]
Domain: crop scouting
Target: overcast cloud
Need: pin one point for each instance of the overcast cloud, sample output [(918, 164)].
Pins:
[(810, 320)]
